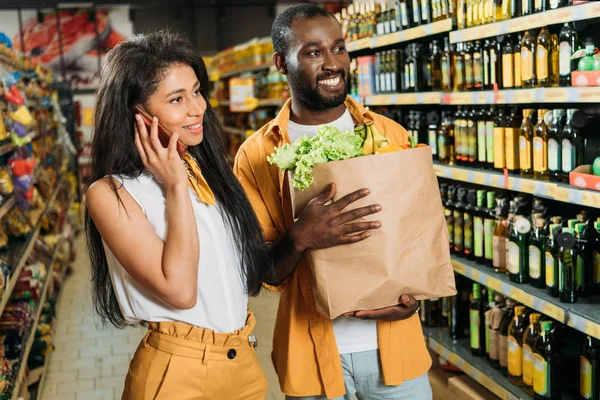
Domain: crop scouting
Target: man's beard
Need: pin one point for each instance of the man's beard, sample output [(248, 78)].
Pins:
[(310, 97)]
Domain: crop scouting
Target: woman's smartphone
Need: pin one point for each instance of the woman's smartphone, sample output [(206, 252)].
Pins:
[(164, 135)]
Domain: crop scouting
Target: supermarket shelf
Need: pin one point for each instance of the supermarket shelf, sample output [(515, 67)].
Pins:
[(509, 96), (246, 70), (458, 352), (552, 17), (583, 315), (19, 257), (544, 189), (31, 338), (235, 131), (407, 35)]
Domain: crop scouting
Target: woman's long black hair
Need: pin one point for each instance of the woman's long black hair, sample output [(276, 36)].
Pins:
[(130, 74)]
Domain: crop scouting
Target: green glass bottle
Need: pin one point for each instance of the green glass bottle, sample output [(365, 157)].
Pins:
[(597, 258), (589, 369), (458, 223), (585, 262), (477, 324), (518, 250), (478, 231), (537, 250), (515, 346), (509, 313), (554, 144), (552, 261), (531, 334), (546, 364), (490, 304), (489, 223), (567, 277), (468, 228)]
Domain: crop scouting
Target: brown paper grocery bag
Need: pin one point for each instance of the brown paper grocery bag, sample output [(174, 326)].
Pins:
[(409, 254)]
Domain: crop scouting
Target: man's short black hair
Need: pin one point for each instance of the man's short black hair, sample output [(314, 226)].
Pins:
[(281, 31)]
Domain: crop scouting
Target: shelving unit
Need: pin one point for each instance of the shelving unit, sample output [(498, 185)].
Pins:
[(235, 131), (458, 352), (400, 36), (512, 96), (583, 316), (245, 70), (545, 189), (537, 20)]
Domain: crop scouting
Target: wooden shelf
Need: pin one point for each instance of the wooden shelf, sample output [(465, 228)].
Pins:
[(406, 35), (545, 189), (583, 316), (509, 96), (537, 20), (458, 352)]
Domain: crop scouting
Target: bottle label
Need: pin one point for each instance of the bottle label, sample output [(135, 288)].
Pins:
[(541, 375), (553, 155), (554, 4), (515, 357), (478, 239), (585, 378), (425, 10), (474, 326), (535, 261), (568, 156), (472, 133), (415, 9), (489, 141), (382, 82), (481, 147), (432, 133), (488, 238), (504, 351), (512, 148), (596, 272), (507, 70), (458, 230), (460, 73), (403, 14), (494, 344), (541, 63), (524, 153), (513, 258), (526, 64), (527, 365), (486, 68), (477, 69), (517, 61), (550, 282), (540, 162), (499, 148), (441, 147), (499, 256), (446, 74), (564, 57), (468, 229), (493, 61), (411, 76), (468, 69), (388, 82), (393, 25)]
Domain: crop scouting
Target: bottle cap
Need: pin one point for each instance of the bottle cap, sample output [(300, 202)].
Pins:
[(535, 318), (566, 239), (520, 310), (546, 326), (522, 225), (540, 222), (556, 220)]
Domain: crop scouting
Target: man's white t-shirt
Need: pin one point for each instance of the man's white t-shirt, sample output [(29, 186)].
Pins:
[(352, 335)]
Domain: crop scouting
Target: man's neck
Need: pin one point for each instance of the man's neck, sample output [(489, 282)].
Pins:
[(304, 116)]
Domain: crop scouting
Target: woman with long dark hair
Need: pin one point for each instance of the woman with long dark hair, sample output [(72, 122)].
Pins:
[(172, 238)]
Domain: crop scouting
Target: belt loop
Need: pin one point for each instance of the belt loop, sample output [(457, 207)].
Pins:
[(206, 351), (145, 339)]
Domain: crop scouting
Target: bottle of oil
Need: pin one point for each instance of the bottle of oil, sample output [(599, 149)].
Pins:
[(500, 236), (486, 64), (526, 7), (425, 12), (509, 313), (449, 214), (528, 65), (459, 69), (597, 258), (540, 6), (447, 67), (518, 81), (586, 237), (525, 148), (436, 66), (477, 325), (478, 231), (470, 10), (446, 139), (529, 337), (469, 77), (567, 44), (416, 13), (489, 224), (540, 146), (567, 277), (537, 250), (518, 250), (495, 65), (488, 306), (489, 137), (478, 66), (404, 14), (472, 137), (481, 135), (508, 71), (554, 145), (572, 142), (554, 60), (461, 14), (468, 230), (458, 223), (515, 346), (589, 370), (499, 141), (460, 140), (512, 132), (542, 62), (546, 365), (552, 260), (433, 122)]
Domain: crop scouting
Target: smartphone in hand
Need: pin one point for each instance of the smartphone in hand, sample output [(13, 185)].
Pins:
[(164, 135)]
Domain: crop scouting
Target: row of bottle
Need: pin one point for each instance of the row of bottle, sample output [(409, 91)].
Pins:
[(543, 144), (508, 62), (560, 255), (480, 12)]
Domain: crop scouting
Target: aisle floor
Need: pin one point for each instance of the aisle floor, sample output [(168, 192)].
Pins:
[(90, 361)]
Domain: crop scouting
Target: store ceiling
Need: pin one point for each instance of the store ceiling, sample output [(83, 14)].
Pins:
[(6, 4)]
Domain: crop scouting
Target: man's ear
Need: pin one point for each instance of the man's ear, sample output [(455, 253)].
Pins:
[(280, 64)]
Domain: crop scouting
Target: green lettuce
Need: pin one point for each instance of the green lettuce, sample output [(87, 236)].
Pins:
[(329, 144)]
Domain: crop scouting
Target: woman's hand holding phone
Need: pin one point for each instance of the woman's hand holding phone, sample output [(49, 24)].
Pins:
[(163, 163)]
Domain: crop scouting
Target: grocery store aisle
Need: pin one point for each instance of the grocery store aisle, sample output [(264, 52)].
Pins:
[(90, 362)]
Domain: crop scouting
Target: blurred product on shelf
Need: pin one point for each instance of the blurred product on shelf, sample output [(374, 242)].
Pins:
[(252, 53)]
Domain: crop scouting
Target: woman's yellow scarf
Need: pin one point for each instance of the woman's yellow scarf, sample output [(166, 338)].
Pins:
[(197, 182)]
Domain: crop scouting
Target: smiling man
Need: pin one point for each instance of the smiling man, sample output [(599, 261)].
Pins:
[(379, 354)]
